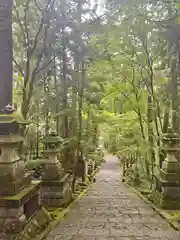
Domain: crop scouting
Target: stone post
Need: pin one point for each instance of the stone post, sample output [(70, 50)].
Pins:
[(5, 54), (56, 185), (19, 197), (168, 179)]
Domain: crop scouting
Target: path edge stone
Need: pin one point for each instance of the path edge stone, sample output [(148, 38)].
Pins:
[(174, 225)]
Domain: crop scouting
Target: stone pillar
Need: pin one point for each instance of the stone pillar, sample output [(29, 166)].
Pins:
[(56, 185), (6, 54), (19, 196), (167, 192)]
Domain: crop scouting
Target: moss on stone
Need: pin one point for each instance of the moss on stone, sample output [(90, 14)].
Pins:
[(155, 197), (174, 215), (35, 226), (56, 213), (164, 202), (21, 194)]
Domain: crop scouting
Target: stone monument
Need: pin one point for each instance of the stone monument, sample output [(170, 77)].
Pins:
[(56, 184), (19, 196), (167, 189)]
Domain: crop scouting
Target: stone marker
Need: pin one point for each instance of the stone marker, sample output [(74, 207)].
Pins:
[(5, 53), (56, 184), (19, 196), (167, 192)]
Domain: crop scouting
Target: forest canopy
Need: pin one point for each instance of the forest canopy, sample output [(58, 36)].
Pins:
[(86, 69)]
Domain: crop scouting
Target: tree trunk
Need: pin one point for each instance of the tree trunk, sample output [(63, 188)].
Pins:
[(79, 136)]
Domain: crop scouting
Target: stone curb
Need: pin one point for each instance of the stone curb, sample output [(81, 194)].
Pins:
[(173, 224), (65, 211)]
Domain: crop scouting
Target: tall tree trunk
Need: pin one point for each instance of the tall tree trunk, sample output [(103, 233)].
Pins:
[(79, 136), (73, 121), (65, 125), (151, 135), (57, 95), (37, 133), (174, 93)]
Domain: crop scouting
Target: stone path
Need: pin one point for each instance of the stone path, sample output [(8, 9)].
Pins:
[(110, 211)]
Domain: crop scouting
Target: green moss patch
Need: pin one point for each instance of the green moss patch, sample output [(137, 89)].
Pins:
[(21, 194), (35, 226), (174, 216)]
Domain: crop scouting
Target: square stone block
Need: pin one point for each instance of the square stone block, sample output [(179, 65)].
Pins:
[(57, 193), (171, 192), (169, 204), (21, 198), (58, 182), (11, 212), (52, 202), (167, 194), (53, 172), (8, 127), (51, 192), (169, 177), (9, 171), (15, 210), (13, 188)]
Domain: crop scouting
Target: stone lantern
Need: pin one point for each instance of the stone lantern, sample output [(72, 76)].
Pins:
[(19, 196), (56, 185), (169, 175)]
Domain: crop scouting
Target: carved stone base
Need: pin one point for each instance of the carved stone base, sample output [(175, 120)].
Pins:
[(167, 194), (11, 213), (12, 188), (19, 196), (57, 193), (20, 207), (164, 202), (36, 225), (12, 173)]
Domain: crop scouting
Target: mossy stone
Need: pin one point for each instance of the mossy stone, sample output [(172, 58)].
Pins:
[(35, 226)]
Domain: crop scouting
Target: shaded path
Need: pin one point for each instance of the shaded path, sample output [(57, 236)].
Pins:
[(110, 211)]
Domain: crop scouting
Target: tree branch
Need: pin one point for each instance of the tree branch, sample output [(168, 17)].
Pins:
[(18, 66)]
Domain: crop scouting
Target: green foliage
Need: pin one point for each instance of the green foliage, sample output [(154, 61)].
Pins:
[(132, 60), (81, 75)]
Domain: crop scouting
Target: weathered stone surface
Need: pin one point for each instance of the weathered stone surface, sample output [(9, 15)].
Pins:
[(11, 212), (22, 197), (6, 53), (167, 182), (56, 185), (11, 166), (15, 210), (53, 169), (10, 188), (19, 196), (110, 211), (35, 226), (57, 194)]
